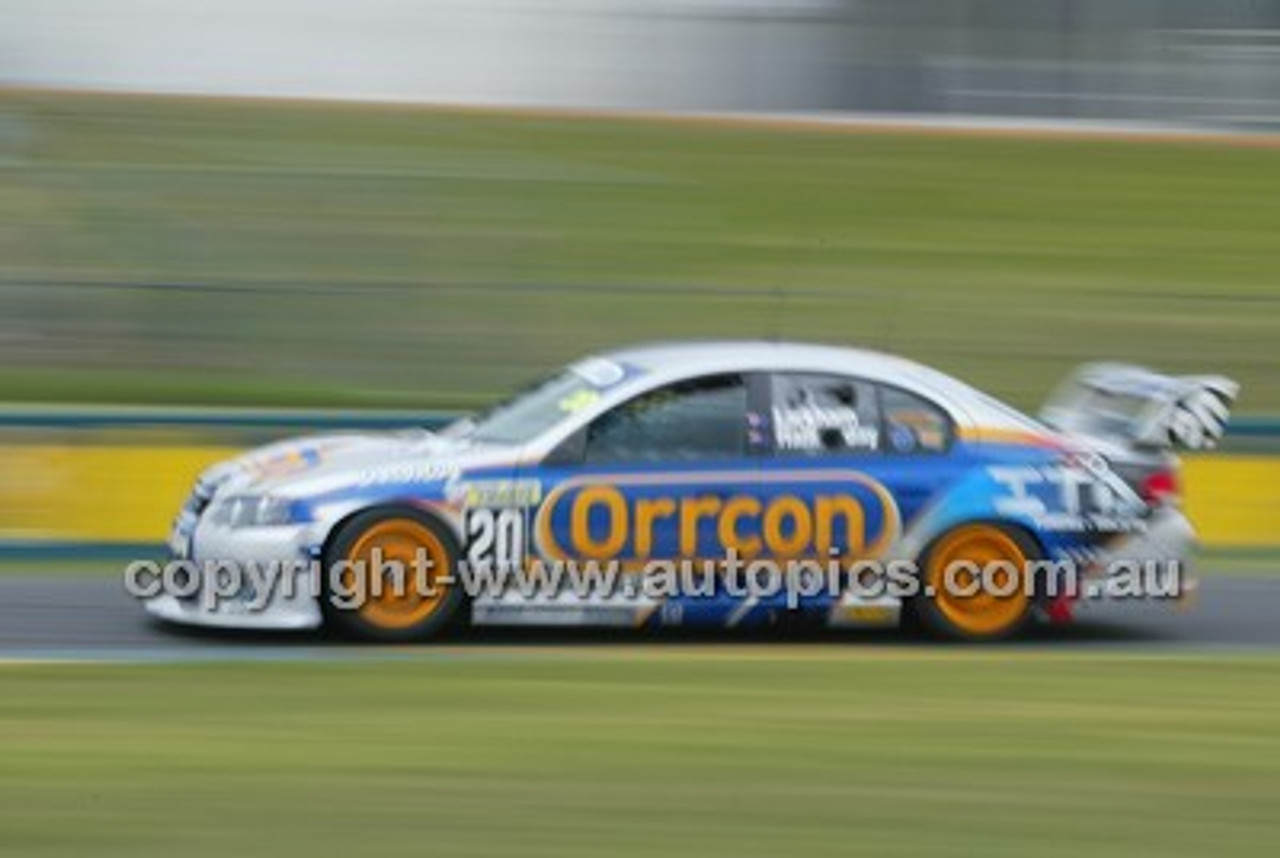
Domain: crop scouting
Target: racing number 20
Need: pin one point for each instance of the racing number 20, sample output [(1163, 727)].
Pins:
[(495, 537)]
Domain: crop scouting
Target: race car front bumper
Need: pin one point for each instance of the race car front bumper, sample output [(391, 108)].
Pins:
[(259, 578)]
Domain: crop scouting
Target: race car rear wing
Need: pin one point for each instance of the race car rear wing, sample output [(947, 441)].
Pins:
[(1141, 407)]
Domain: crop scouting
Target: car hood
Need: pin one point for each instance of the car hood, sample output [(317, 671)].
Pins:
[(314, 464)]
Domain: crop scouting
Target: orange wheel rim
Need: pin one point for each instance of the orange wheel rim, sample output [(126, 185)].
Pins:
[(969, 605), (397, 567)]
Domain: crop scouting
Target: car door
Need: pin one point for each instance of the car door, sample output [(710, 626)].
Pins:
[(855, 459), (653, 478)]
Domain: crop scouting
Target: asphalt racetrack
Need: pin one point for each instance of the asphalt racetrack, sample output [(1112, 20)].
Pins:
[(64, 616)]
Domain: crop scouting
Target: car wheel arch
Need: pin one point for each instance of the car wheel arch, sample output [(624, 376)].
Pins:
[(387, 507), (923, 603), (455, 610)]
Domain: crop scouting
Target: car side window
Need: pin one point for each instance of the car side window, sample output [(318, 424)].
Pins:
[(698, 419), (913, 424), (823, 415)]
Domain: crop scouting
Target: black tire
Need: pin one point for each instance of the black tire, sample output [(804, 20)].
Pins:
[(935, 614), (361, 621)]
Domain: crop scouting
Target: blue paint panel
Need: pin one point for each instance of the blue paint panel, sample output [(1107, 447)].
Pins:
[(925, 494)]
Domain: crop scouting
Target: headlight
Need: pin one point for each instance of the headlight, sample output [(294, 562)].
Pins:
[(253, 511)]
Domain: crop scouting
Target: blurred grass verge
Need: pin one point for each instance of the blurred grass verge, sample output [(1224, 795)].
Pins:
[(686, 751), (214, 251)]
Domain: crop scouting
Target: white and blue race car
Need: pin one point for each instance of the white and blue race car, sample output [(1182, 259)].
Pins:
[(779, 458)]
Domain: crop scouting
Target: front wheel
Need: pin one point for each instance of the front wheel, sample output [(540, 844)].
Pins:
[(976, 584), (389, 576)]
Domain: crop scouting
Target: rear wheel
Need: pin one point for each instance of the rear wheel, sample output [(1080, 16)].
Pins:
[(389, 576), (976, 584)]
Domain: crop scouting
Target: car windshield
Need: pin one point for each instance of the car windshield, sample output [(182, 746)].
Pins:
[(533, 410)]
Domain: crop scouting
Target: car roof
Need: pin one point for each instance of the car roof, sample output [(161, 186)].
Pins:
[(666, 361), (728, 355)]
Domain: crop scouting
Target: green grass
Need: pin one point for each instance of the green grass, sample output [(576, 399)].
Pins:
[(86, 567), (679, 751), (168, 250), (1260, 562)]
